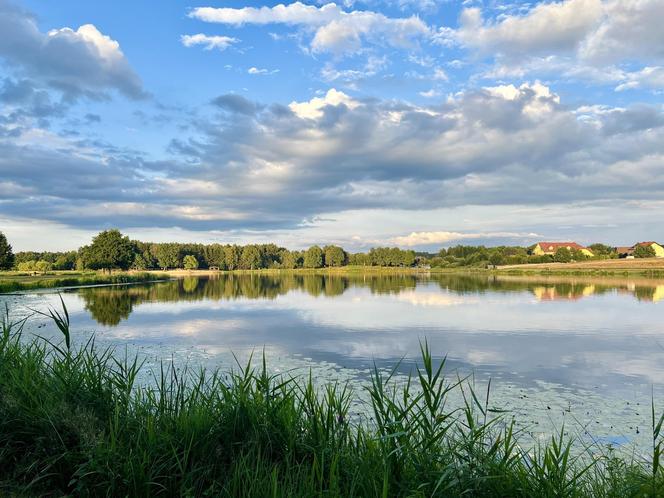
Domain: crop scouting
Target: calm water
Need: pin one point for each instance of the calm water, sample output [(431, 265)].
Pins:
[(585, 350)]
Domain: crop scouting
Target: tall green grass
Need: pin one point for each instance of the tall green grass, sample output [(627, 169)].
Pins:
[(75, 421)]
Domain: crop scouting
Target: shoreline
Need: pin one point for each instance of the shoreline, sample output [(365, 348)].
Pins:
[(13, 281)]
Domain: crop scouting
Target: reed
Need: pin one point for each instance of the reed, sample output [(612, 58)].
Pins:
[(75, 421)]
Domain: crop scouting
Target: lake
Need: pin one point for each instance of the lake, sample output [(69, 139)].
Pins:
[(585, 352)]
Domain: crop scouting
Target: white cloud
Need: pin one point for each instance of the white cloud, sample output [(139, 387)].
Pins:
[(430, 93), (441, 237), (372, 67), (630, 29), (295, 13), (79, 62), (271, 165), (107, 49), (439, 74), (334, 30), (541, 100), (648, 77), (208, 42), (548, 27), (313, 108), (261, 71), (579, 39)]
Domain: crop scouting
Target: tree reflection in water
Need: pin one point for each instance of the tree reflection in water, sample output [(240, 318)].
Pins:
[(110, 305)]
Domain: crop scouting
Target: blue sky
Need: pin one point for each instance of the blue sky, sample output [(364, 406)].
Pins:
[(420, 123)]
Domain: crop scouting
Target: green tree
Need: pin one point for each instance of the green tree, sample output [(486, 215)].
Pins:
[(359, 259), (42, 265), (562, 255), (110, 249), (644, 251), (251, 258), (27, 265), (289, 259), (578, 255), (168, 255), (496, 258), (214, 256), (6, 254), (190, 262), (602, 251), (140, 263), (232, 256), (313, 257), (407, 258), (334, 256), (65, 261)]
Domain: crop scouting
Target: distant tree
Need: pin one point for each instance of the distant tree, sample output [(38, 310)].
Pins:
[(43, 265), (6, 254), (334, 256), (27, 265), (644, 252), (313, 257), (408, 258), (232, 256), (140, 262), (251, 258), (578, 255), (602, 251), (270, 255), (168, 255), (65, 261), (24, 256), (190, 262), (496, 258), (214, 256), (289, 259), (562, 255), (110, 249), (359, 259)]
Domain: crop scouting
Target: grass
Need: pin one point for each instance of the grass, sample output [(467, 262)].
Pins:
[(75, 421), (13, 281)]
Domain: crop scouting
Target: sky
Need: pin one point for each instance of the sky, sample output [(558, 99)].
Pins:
[(417, 123)]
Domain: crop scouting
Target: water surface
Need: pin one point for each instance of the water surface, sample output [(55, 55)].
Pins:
[(587, 352)]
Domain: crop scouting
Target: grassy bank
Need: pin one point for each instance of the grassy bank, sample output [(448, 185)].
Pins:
[(17, 281), (652, 267), (74, 422), (335, 270)]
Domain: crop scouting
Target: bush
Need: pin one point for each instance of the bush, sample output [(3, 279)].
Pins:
[(562, 255), (644, 252)]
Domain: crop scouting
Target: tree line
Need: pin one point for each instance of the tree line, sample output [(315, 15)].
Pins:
[(111, 249)]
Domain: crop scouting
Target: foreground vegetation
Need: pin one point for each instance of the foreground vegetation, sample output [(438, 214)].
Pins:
[(75, 421)]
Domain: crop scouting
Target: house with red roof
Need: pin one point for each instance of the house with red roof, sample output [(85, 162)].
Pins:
[(628, 252)]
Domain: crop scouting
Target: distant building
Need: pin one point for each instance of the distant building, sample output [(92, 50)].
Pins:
[(542, 248), (625, 252), (628, 252)]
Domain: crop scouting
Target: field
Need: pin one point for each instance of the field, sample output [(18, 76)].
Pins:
[(605, 265)]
